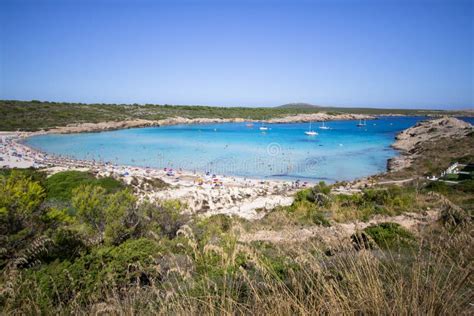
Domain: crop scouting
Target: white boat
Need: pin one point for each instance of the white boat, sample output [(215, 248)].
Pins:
[(361, 123), (310, 132), (324, 126), (263, 127)]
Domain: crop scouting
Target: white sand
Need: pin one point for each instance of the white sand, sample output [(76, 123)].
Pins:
[(232, 195)]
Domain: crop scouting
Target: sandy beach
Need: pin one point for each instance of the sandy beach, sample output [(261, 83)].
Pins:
[(114, 125), (206, 194)]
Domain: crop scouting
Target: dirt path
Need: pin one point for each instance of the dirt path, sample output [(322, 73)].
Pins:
[(396, 181), (337, 232)]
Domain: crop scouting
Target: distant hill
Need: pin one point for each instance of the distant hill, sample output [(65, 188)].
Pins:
[(299, 105), (37, 115)]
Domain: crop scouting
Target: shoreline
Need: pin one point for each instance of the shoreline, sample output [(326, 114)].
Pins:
[(409, 141), (202, 193), (409, 145), (205, 194), (137, 123)]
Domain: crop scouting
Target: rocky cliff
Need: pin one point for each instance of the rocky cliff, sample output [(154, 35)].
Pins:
[(113, 125), (411, 141), (318, 117)]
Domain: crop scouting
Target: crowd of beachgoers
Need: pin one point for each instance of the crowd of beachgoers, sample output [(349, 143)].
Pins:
[(209, 193), (201, 192)]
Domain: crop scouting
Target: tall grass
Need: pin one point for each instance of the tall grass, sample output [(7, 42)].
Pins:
[(56, 263), (233, 278)]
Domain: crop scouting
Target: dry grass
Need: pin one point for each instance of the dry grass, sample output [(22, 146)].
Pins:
[(434, 157), (203, 268), (434, 279)]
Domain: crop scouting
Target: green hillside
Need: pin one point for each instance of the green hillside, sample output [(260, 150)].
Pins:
[(36, 115)]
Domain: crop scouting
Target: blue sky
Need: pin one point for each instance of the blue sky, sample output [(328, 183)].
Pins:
[(410, 54)]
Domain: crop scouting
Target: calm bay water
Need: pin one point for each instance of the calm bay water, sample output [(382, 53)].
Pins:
[(344, 152)]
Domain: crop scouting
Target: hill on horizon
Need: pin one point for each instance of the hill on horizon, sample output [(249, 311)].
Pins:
[(297, 105)]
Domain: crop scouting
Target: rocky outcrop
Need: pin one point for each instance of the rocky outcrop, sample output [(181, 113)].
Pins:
[(184, 120), (411, 140), (114, 125), (242, 201), (102, 126), (339, 232), (320, 117)]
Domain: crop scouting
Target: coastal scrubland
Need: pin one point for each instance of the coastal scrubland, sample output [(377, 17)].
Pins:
[(36, 115), (436, 155), (78, 243), (71, 243), (428, 152)]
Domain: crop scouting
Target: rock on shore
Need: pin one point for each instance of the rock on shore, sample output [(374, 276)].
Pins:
[(114, 125), (102, 126), (410, 140), (299, 118)]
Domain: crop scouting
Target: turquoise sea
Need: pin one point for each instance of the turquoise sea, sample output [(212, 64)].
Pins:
[(344, 152)]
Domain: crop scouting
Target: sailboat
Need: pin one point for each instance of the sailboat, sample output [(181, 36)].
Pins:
[(310, 132), (361, 123), (263, 127), (324, 126)]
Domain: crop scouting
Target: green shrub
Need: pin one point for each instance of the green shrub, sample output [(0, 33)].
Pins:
[(165, 218), (389, 201), (89, 276), (453, 218), (212, 226), (466, 186), (20, 198), (302, 195), (321, 187), (30, 173), (276, 262), (122, 217), (89, 203), (390, 236), (109, 217), (318, 218), (67, 245), (439, 186), (60, 185), (318, 194)]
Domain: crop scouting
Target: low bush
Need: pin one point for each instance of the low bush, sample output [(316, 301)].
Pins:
[(320, 206), (60, 185), (114, 256), (390, 236), (393, 198), (86, 278), (30, 173), (319, 218), (466, 186), (454, 218)]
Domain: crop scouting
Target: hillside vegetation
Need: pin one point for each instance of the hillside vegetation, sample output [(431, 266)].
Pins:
[(99, 252), (433, 154), (298, 105), (75, 243), (36, 115)]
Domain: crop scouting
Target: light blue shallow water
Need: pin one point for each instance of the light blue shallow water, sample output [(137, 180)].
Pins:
[(344, 152)]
